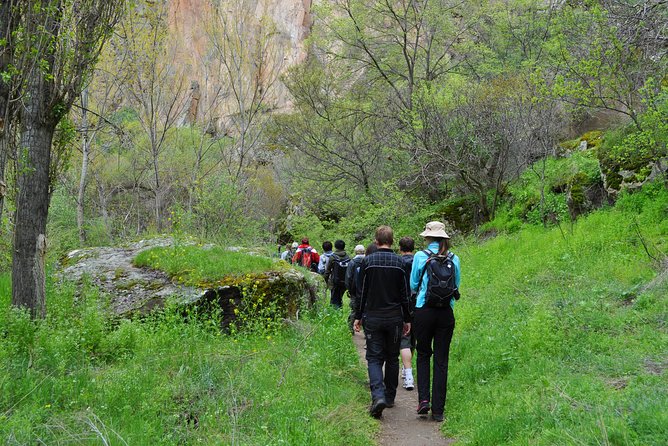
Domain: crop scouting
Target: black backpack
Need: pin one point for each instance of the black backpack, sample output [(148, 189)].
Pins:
[(441, 287), (339, 268), (351, 279)]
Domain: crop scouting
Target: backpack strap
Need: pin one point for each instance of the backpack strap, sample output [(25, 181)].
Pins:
[(429, 257)]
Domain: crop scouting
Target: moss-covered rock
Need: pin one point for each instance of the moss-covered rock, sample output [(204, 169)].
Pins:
[(628, 157), (460, 212), (280, 293)]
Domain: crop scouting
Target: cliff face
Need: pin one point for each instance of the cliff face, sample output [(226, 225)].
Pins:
[(196, 25)]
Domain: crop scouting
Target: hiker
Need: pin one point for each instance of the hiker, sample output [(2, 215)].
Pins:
[(324, 258), (289, 252), (434, 319), (306, 256), (352, 274), (406, 247), (335, 274), (384, 309)]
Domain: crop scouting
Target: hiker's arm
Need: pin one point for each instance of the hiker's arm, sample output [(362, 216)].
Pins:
[(455, 261), (361, 285)]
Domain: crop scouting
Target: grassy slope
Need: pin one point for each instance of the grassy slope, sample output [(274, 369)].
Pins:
[(558, 340), (75, 379)]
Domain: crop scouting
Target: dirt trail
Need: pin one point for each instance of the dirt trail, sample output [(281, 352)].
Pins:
[(401, 425)]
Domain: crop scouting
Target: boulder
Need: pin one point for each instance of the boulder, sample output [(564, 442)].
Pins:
[(136, 291)]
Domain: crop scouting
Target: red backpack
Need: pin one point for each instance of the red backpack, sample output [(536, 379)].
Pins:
[(306, 258)]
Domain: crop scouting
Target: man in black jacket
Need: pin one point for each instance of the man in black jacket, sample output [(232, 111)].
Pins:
[(384, 309), (335, 273)]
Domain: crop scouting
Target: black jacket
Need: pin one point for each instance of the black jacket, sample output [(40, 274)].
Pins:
[(384, 286)]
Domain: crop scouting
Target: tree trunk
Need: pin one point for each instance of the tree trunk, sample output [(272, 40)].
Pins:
[(32, 204), (4, 150), (84, 168)]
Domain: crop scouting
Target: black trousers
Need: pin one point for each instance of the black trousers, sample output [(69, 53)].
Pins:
[(382, 354), (337, 296), (433, 328)]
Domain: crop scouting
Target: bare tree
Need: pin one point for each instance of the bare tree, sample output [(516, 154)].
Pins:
[(332, 136), (480, 141), (155, 86), (245, 43)]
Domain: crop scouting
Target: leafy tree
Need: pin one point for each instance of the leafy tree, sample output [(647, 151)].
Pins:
[(61, 39), (604, 57), (10, 82), (397, 44)]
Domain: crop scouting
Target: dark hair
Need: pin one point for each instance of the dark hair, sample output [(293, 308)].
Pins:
[(305, 241), (443, 244), (340, 244), (384, 235), (327, 246), (371, 249), (406, 244)]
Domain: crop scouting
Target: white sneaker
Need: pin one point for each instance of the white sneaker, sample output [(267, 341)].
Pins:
[(408, 383)]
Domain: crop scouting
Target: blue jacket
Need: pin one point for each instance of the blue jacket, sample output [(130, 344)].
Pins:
[(419, 261)]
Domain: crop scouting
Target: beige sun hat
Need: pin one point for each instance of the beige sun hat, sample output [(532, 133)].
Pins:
[(434, 229)]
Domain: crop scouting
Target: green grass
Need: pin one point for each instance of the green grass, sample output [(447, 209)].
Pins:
[(77, 378), (194, 265), (560, 337)]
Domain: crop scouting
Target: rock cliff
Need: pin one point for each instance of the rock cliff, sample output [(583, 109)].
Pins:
[(194, 26)]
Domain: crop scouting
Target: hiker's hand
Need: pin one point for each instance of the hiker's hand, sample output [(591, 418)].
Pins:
[(356, 325), (407, 328)]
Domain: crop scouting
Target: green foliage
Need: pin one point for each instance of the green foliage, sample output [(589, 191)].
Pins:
[(561, 180), (627, 154), (259, 314), (76, 378), (580, 354), (61, 225)]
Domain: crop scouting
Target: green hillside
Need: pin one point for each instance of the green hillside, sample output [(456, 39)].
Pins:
[(561, 339), (561, 334)]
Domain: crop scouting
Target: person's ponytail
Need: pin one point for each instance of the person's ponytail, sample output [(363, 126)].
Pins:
[(443, 246)]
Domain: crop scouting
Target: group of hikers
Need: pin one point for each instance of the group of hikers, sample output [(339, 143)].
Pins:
[(402, 302)]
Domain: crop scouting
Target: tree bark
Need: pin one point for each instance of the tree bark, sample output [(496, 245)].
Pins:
[(32, 203), (4, 150)]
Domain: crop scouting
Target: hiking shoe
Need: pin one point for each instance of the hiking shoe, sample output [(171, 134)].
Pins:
[(377, 407), (389, 404), (408, 383), (423, 408), (437, 417)]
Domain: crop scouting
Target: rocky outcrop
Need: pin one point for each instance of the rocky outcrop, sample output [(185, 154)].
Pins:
[(137, 291)]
